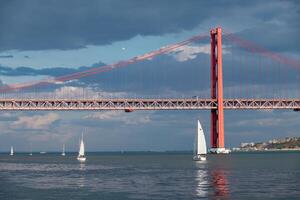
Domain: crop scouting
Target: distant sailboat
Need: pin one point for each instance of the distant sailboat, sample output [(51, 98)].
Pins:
[(81, 157), (11, 150), (30, 150), (63, 151), (200, 144)]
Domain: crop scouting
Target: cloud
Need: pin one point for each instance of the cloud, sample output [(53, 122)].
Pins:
[(35, 121), (75, 92), (270, 119), (32, 25), (121, 116), (275, 37), (185, 53), (6, 56), (50, 71)]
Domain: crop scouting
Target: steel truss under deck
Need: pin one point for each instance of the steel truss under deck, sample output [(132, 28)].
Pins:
[(145, 104)]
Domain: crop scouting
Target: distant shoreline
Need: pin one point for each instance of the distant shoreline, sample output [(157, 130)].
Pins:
[(267, 150)]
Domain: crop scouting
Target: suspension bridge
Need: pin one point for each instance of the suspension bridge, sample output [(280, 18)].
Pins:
[(250, 73)]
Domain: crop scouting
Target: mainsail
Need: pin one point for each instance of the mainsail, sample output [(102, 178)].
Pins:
[(81, 148), (200, 140), (63, 151), (11, 150)]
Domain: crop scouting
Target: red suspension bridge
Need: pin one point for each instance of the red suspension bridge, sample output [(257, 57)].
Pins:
[(216, 102)]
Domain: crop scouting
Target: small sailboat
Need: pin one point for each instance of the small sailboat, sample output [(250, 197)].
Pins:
[(63, 151), (81, 157), (30, 150), (200, 144), (11, 151)]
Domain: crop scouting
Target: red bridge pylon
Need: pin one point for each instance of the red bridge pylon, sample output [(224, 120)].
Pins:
[(217, 115)]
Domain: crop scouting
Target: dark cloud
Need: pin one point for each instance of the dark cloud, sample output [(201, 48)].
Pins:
[(163, 76), (33, 25), (276, 37), (53, 71), (6, 56), (69, 24)]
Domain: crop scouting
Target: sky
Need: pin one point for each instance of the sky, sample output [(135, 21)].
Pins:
[(46, 39)]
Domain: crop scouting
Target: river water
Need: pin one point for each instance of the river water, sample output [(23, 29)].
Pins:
[(112, 176)]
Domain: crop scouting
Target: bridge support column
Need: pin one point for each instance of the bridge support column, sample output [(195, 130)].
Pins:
[(217, 115)]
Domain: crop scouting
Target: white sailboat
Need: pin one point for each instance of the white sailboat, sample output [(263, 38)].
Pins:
[(81, 157), (63, 151), (200, 146), (11, 151), (30, 150)]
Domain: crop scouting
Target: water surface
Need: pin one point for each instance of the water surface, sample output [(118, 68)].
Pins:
[(267, 175)]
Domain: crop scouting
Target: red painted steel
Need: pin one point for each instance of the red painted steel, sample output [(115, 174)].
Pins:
[(146, 104), (217, 115), (213, 81), (220, 90)]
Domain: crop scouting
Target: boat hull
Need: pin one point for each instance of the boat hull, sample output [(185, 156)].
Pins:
[(199, 158), (81, 159), (219, 151)]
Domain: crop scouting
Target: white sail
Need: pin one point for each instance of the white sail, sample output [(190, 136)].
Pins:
[(81, 157), (63, 151), (81, 148), (30, 150), (200, 140), (11, 150)]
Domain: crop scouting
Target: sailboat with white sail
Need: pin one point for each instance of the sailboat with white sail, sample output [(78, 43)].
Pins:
[(63, 151), (30, 150), (81, 154), (11, 151), (200, 144)]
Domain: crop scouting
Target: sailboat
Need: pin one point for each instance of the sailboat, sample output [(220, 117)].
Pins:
[(63, 151), (30, 150), (81, 157), (200, 144), (11, 150)]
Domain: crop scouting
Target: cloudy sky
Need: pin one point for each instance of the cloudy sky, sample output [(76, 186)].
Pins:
[(46, 39)]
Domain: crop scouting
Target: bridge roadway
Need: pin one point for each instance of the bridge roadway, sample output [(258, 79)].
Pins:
[(145, 104)]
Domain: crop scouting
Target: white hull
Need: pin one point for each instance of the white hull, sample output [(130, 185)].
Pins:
[(199, 158), (81, 159), (63, 154), (220, 151)]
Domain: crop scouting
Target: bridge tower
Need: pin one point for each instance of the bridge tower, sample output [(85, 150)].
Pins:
[(217, 115)]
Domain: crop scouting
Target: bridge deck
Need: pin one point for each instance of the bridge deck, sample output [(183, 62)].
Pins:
[(145, 104)]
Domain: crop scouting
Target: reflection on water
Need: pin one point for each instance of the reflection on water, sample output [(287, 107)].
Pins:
[(81, 179), (153, 177), (201, 178), (220, 183), (202, 183), (214, 182), (82, 166)]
